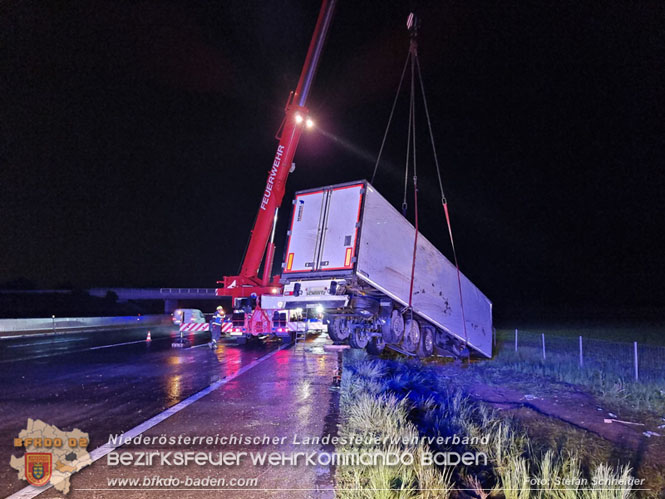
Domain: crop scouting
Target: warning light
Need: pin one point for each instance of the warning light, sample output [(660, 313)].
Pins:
[(299, 118), (274, 291), (309, 123)]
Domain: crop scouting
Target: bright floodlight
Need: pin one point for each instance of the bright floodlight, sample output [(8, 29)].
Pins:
[(319, 309), (309, 122), (299, 118)]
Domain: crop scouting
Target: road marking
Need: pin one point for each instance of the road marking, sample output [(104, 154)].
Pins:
[(29, 344), (65, 352), (30, 491), (68, 352), (76, 330), (118, 344)]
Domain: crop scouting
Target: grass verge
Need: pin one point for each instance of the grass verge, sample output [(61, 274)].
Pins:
[(608, 384), (402, 403)]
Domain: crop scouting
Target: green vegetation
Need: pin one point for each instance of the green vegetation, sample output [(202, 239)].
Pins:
[(403, 399), (609, 378), (644, 334)]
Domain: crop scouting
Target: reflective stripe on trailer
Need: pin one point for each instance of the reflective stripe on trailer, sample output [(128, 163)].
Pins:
[(195, 326), (226, 327)]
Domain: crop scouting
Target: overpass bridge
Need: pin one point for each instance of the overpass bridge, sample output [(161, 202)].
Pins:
[(171, 296)]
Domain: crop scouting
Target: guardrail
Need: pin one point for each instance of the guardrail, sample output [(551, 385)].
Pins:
[(188, 291), (59, 325)]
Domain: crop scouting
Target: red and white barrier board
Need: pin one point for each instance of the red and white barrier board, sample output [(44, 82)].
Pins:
[(195, 326), (296, 326), (226, 327)]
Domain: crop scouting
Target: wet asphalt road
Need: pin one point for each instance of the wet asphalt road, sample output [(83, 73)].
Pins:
[(105, 381)]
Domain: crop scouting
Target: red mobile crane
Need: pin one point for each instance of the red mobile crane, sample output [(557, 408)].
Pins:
[(248, 283), (368, 313)]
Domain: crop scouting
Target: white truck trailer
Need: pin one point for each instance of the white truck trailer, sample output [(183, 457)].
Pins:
[(350, 253)]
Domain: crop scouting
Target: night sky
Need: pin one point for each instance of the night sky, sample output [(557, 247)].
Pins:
[(136, 136)]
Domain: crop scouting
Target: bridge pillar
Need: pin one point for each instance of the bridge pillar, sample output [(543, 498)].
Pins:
[(170, 306)]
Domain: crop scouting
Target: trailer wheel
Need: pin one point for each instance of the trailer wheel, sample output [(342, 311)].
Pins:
[(411, 336), (376, 345), (426, 346), (395, 328), (359, 338), (339, 329)]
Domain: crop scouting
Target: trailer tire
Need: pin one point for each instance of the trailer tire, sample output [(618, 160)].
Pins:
[(376, 345), (412, 335), (394, 329), (426, 346), (359, 338), (339, 329)]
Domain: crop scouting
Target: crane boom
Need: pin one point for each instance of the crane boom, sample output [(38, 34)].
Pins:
[(248, 281)]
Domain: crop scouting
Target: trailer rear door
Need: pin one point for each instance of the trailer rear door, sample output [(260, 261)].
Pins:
[(341, 227), (304, 234), (324, 229)]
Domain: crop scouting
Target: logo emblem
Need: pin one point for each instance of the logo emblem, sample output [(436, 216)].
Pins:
[(38, 468)]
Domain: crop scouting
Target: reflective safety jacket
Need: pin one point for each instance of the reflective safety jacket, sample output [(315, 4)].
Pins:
[(217, 319)]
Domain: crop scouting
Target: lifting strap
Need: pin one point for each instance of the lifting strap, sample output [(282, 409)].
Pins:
[(412, 138), (445, 206), (390, 119), (412, 57), (459, 274)]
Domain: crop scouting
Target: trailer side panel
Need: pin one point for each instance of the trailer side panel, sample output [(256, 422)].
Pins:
[(385, 254)]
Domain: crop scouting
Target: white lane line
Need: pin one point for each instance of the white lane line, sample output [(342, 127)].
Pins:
[(31, 343), (117, 344), (66, 352), (201, 345), (30, 491), (78, 330)]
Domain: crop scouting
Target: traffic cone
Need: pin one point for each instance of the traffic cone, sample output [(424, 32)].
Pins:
[(148, 338)]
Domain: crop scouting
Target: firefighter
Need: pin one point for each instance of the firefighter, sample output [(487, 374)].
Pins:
[(216, 327)]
